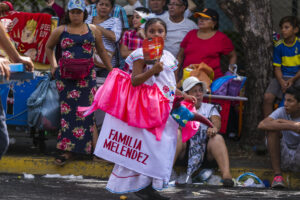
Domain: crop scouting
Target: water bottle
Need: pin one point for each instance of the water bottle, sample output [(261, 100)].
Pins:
[(205, 174)]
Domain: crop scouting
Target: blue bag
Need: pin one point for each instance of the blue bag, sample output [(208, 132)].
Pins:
[(43, 106)]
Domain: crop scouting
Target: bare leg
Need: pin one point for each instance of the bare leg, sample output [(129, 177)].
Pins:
[(95, 136), (273, 139), (216, 149), (180, 147), (268, 104)]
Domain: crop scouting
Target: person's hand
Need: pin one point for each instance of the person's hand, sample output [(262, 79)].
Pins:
[(283, 85), (4, 67), (289, 82), (27, 62), (189, 98), (296, 127), (141, 33), (211, 132), (50, 2), (158, 67)]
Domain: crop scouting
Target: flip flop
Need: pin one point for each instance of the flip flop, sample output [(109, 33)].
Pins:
[(60, 160)]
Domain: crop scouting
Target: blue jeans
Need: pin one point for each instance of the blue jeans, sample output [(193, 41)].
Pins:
[(4, 140)]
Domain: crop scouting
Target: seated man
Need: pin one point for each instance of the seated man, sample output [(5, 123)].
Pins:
[(283, 129), (206, 145)]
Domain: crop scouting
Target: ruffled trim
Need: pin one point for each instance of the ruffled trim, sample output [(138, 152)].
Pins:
[(167, 58)]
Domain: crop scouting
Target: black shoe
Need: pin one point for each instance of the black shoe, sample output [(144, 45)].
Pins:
[(149, 193), (228, 182)]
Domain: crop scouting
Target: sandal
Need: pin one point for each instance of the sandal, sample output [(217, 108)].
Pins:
[(60, 160), (228, 182)]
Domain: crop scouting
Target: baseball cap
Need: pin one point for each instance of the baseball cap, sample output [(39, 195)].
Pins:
[(208, 13), (191, 82), (76, 4)]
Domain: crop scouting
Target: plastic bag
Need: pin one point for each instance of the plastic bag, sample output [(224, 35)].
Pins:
[(250, 180), (43, 106), (229, 85)]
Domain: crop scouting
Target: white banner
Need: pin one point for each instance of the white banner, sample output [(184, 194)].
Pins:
[(137, 149)]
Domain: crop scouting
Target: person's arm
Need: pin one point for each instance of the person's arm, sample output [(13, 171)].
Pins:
[(138, 77), (216, 121), (124, 51), (191, 5), (50, 45), (60, 12), (11, 51), (180, 59), (107, 33), (100, 48), (232, 57), (186, 97), (270, 124), (4, 67)]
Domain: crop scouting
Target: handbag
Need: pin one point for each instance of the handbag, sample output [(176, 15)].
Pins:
[(72, 68), (43, 106)]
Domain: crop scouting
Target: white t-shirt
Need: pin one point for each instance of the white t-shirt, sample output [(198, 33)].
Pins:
[(187, 14), (207, 110), (291, 138), (176, 32)]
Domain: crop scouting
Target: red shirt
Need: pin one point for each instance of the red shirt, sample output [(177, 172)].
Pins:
[(209, 51)]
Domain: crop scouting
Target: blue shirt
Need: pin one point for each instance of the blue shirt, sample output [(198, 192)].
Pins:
[(287, 57)]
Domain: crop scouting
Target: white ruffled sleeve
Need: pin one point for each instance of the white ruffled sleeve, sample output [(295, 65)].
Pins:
[(169, 60), (135, 55)]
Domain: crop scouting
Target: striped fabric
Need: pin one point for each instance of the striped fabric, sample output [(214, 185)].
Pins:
[(287, 57), (120, 13), (112, 24)]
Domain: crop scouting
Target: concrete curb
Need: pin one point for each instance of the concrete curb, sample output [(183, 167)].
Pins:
[(102, 169)]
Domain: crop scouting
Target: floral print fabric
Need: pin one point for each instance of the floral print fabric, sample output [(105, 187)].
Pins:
[(75, 134)]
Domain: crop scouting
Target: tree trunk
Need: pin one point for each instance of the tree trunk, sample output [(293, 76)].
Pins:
[(253, 21)]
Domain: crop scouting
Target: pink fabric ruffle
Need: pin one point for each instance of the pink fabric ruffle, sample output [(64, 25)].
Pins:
[(191, 127), (143, 106)]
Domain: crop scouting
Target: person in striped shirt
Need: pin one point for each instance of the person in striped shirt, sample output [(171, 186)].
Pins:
[(110, 27), (286, 61)]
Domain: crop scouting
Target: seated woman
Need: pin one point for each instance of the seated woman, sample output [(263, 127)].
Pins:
[(206, 44), (111, 29), (206, 145)]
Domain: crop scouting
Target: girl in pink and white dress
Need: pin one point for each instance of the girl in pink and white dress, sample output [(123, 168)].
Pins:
[(122, 179)]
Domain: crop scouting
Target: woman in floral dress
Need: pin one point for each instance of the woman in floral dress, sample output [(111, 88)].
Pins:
[(77, 40)]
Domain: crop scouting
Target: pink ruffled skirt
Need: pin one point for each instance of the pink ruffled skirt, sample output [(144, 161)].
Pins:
[(142, 106)]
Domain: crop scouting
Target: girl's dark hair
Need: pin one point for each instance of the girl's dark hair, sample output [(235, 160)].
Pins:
[(293, 20), (49, 11), (293, 91), (112, 2), (153, 21), (67, 20), (142, 9)]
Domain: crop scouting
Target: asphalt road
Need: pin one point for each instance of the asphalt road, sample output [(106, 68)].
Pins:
[(14, 187)]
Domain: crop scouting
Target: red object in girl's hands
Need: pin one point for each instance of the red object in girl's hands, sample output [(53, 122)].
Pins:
[(153, 49)]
